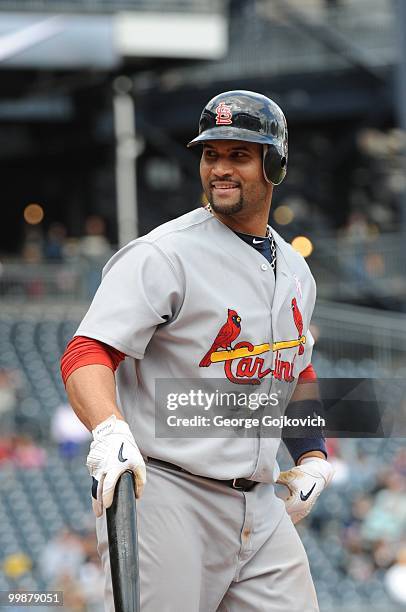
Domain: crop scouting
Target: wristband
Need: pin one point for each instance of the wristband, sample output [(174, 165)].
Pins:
[(303, 439), (305, 419)]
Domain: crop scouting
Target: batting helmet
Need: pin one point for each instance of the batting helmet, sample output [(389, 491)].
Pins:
[(249, 116)]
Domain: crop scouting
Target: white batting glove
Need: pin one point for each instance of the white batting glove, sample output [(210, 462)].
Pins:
[(305, 483), (112, 452)]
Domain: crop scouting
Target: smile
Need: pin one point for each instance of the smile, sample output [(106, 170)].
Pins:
[(224, 186)]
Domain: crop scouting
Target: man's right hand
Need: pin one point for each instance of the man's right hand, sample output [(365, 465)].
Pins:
[(112, 452)]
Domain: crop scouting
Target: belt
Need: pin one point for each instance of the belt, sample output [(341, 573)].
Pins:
[(240, 484)]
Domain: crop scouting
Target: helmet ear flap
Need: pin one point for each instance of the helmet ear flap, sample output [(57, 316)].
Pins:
[(274, 164)]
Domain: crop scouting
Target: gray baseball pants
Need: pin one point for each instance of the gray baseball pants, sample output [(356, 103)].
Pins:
[(205, 547)]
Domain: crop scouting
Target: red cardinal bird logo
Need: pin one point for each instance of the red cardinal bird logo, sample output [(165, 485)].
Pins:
[(227, 334), (297, 317)]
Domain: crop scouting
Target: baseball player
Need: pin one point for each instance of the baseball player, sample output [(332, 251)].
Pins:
[(214, 295)]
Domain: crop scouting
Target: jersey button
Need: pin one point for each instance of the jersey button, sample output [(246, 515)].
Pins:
[(264, 267)]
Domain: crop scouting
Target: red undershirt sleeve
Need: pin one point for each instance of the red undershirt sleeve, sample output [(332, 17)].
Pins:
[(83, 351), (307, 375)]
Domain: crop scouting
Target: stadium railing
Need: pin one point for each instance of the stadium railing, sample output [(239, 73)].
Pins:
[(345, 270), (351, 269), (73, 281), (108, 6), (357, 32), (367, 336)]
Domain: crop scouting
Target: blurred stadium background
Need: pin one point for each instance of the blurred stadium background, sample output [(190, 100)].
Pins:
[(97, 95)]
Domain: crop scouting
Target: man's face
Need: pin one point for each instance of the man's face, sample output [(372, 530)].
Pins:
[(232, 176)]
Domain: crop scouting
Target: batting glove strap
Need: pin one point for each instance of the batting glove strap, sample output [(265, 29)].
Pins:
[(305, 482), (112, 452), (317, 468), (112, 425)]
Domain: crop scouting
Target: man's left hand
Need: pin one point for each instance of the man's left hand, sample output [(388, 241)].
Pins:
[(305, 482)]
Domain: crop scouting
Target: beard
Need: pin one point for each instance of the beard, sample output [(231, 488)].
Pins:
[(225, 209)]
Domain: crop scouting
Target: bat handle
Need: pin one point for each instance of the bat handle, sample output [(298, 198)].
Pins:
[(123, 545)]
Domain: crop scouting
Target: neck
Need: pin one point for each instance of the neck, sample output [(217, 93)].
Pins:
[(254, 224)]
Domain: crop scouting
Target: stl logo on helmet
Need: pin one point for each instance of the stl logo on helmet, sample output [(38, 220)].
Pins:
[(223, 114)]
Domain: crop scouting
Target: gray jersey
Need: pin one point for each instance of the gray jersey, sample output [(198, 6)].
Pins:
[(180, 302)]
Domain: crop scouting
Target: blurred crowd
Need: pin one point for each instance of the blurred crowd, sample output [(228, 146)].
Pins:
[(356, 187), (81, 260), (56, 246), (370, 528), (17, 443), (22, 452), (10, 384), (68, 563)]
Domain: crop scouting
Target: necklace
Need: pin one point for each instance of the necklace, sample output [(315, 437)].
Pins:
[(267, 235), (273, 247)]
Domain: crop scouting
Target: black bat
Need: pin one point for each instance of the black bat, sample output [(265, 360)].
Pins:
[(123, 546)]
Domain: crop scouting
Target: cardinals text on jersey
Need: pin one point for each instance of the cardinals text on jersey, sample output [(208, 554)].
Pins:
[(241, 362)]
